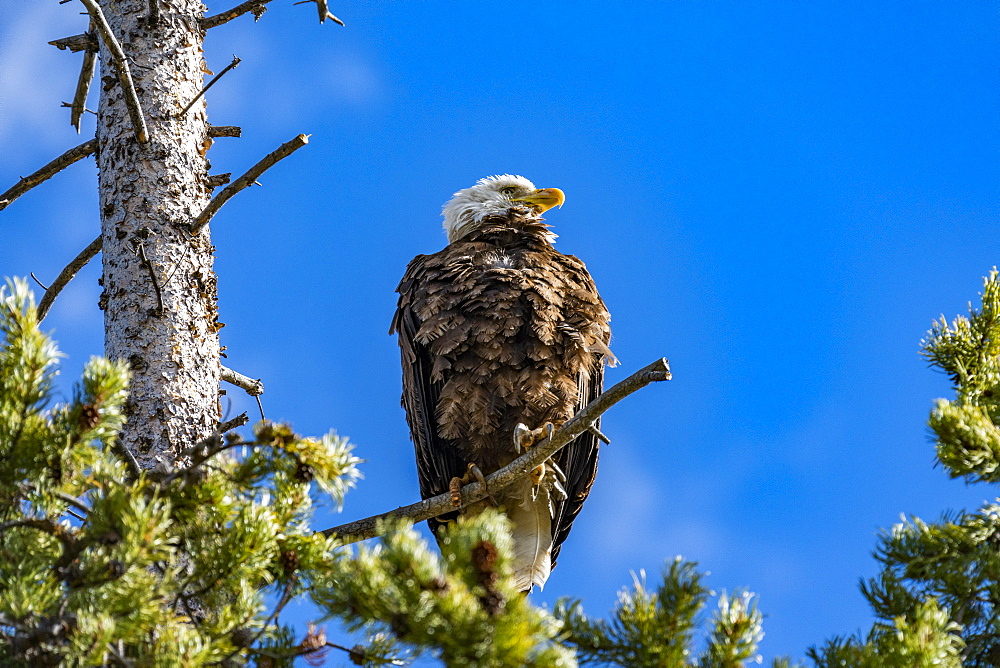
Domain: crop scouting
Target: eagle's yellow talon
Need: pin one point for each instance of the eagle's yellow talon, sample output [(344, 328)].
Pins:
[(537, 474), (455, 489), (472, 474)]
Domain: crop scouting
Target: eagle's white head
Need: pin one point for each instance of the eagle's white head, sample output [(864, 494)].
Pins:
[(493, 196)]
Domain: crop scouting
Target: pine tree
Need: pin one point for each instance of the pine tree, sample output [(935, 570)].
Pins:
[(936, 597), (193, 564), (135, 529)]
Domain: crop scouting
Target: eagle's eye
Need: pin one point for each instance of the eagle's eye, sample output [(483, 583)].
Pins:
[(509, 190)]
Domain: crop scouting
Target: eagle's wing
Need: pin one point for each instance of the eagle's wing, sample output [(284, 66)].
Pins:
[(578, 461), (437, 462)]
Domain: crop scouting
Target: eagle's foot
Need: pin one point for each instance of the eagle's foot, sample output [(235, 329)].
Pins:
[(525, 438), (455, 489), (472, 474)]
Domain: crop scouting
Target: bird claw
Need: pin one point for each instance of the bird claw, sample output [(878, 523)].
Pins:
[(522, 437), (455, 489), (472, 473), (525, 438)]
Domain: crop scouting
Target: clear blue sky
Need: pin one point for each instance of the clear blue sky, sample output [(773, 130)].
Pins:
[(776, 196)]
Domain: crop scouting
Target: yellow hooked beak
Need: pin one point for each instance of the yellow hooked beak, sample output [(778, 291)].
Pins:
[(543, 199)]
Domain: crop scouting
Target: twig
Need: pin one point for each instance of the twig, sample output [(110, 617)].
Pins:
[(83, 85), (207, 22), (597, 432), (253, 387), (126, 456), (68, 498), (359, 655), (260, 407), (286, 596), (73, 513), (26, 183), (73, 501), (83, 42), (43, 286), (324, 10), (224, 131), (214, 181), (232, 65), (237, 421), (517, 469), (246, 180), (66, 275), (121, 64), (141, 252)]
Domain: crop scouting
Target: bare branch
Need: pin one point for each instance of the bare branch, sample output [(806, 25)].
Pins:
[(597, 432), (121, 64), (141, 253), (83, 42), (126, 456), (286, 596), (237, 421), (66, 275), (82, 89), (323, 9), (48, 171), (73, 501), (255, 6), (253, 387), (517, 469), (246, 180), (216, 180), (224, 131), (232, 65), (68, 498)]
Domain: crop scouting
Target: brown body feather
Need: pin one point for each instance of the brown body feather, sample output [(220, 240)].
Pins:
[(497, 329)]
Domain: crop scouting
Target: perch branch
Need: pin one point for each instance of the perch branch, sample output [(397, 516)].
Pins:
[(48, 171), (224, 131), (517, 469), (247, 179), (66, 275), (121, 64), (323, 9), (82, 42), (254, 6), (232, 65), (252, 387), (83, 88)]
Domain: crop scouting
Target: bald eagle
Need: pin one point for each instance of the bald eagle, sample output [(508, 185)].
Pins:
[(500, 336)]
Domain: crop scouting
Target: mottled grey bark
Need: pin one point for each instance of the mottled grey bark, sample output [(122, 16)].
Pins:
[(159, 287)]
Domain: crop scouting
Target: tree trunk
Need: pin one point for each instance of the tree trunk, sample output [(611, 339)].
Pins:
[(159, 296)]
